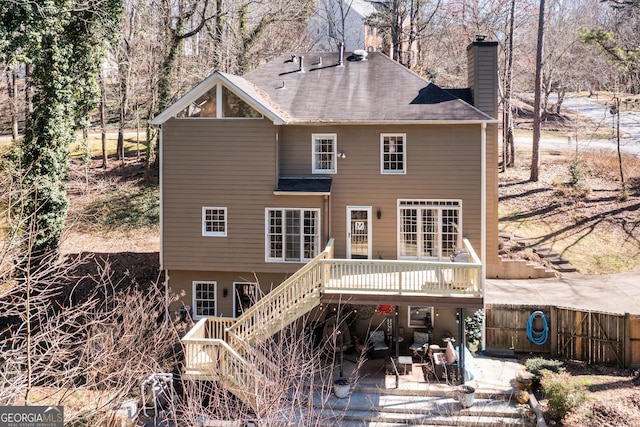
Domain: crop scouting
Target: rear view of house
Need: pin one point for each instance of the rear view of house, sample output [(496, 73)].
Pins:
[(347, 163)]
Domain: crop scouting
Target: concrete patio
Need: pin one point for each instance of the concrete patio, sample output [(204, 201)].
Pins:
[(375, 400)]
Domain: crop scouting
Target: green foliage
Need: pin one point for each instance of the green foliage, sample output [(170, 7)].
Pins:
[(63, 41), (473, 326), (562, 393), (536, 365), (626, 58), (577, 172)]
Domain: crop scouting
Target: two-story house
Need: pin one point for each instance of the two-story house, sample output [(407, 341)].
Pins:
[(336, 173)]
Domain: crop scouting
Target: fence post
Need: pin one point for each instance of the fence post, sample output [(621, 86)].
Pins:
[(553, 330), (627, 341)]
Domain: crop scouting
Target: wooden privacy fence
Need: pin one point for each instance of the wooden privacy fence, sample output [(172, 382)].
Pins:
[(590, 336)]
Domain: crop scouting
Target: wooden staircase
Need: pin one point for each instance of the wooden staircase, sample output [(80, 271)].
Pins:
[(225, 352)]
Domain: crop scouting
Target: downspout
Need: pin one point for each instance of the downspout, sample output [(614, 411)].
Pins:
[(483, 203), (277, 154), (161, 257), (327, 219), (161, 254), (483, 216)]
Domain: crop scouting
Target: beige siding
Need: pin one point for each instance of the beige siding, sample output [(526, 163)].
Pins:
[(493, 157), (443, 162), (181, 287), (482, 76), (232, 165)]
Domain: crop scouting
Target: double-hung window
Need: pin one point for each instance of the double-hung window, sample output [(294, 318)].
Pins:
[(214, 221), (429, 229), (292, 234), (204, 299), (393, 153), (324, 152)]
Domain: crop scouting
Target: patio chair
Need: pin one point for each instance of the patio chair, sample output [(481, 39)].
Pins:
[(445, 363), (420, 345), (377, 344)]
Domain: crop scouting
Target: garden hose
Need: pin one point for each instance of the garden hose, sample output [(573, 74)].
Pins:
[(538, 337)]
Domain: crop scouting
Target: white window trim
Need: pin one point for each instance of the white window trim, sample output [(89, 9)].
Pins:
[(194, 306), (402, 171), (314, 166), (438, 204), (204, 222), (267, 243)]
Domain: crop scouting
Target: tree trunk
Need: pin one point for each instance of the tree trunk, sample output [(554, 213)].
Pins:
[(28, 103), (508, 144), (537, 116), (617, 116), (103, 122), (123, 111), (12, 91)]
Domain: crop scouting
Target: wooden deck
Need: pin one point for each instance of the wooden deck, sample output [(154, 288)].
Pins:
[(222, 349)]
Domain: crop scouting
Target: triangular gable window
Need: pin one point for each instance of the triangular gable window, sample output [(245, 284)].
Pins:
[(233, 106), (219, 102), (205, 106)]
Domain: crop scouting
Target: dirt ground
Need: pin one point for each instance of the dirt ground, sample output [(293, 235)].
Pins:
[(579, 206), (613, 397)]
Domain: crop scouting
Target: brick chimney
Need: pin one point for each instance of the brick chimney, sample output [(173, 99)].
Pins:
[(482, 75)]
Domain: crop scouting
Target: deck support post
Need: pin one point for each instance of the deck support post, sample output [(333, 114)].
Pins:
[(396, 333), (463, 345)]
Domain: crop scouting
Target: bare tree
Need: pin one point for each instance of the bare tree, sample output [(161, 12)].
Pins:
[(537, 113), (508, 143)]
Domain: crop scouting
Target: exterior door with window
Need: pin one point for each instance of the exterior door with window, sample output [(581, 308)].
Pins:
[(359, 232), (245, 295)]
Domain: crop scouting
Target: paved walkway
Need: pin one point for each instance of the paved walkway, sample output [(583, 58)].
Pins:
[(613, 293)]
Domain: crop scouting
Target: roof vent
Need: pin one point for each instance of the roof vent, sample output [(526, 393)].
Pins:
[(358, 55), (341, 58), (480, 37), (301, 64)]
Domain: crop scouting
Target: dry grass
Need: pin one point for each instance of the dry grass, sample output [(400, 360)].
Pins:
[(583, 213)]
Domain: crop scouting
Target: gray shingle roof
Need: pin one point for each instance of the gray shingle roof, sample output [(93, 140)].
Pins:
[(377, 89)]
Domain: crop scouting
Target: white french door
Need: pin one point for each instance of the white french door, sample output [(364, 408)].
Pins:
[(429, 229)]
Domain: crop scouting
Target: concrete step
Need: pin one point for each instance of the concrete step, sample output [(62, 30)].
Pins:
[(566, 268), (547, 253), (395, 410), (562, 265)]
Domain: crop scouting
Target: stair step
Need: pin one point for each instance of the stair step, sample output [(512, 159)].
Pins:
[(380, 409), (448, 413), (566, 268), (547, 253), (558, 260)]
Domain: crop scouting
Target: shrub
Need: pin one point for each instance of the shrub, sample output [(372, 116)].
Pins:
[(536, 365), (577, 171), (562, 393), (473, 326)]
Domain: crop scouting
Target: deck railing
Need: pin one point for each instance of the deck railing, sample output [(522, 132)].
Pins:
[(222, 349)]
